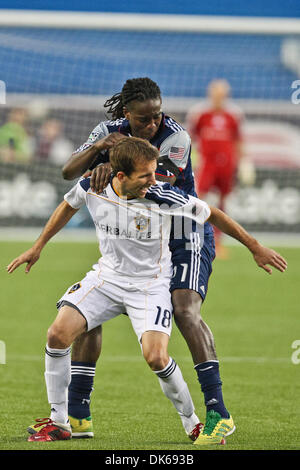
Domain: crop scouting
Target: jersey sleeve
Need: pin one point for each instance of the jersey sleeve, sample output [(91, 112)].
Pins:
[(200, 210), (177, 148), (76, 197), (97, 133), (175, 202), (194, 209)]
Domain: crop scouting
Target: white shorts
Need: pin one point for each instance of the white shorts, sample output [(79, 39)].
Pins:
[(148, 304)]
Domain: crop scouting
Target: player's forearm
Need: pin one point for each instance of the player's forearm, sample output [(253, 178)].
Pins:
[(80, 163), (60, 217), (230, 227)]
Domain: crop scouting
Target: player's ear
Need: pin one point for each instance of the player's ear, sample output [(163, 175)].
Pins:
[(126, 112), (121, 176)]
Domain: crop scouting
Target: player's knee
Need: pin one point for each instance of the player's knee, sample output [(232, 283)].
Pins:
[(57, 337), (157, 359), (187, 316)]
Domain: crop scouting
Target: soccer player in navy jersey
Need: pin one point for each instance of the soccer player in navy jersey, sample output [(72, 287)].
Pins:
[(137, 111)]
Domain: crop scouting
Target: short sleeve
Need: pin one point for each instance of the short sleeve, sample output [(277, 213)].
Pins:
[(177, 147), (76, 197), (97, 133)]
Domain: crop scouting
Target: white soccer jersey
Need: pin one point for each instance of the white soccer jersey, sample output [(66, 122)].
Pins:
[(134, 234)]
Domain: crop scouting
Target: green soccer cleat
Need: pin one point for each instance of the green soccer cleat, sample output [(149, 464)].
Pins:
[(81, 428), (215, 430)]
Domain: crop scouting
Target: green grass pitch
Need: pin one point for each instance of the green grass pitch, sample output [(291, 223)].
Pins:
[(254, 318)]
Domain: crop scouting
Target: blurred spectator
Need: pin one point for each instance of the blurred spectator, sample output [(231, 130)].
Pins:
[(215, 127), (51, 144), (15, 142)]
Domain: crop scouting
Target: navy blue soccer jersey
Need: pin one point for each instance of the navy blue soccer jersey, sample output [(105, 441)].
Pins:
[(171, 139)]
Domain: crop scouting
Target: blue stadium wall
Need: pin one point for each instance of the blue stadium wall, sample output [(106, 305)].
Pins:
[(273, 8)]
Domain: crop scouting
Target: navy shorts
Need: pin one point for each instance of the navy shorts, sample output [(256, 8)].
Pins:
[(192, 267)]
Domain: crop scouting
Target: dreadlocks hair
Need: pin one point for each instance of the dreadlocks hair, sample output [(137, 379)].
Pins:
[(134, 89)]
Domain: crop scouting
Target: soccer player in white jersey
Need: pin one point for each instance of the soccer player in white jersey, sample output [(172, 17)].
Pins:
[(133, 274), (130, 225)]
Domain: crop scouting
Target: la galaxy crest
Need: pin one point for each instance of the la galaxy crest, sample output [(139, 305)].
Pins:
[(141, 222), (74, 288)]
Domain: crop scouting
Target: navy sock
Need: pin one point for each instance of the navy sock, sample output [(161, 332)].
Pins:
[(211, 386), (80, 389)]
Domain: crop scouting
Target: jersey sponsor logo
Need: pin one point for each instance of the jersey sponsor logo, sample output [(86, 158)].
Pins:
[(75, 288), (125, 233), (218, 121)]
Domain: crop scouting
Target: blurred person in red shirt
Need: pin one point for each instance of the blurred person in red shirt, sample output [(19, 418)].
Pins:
[(215, 128)]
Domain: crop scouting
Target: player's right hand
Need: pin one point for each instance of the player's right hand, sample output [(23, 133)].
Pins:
[(30, 257), (109, 141), (100, 177)]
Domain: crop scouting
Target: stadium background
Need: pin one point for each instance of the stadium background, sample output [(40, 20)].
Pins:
[(67, 72)]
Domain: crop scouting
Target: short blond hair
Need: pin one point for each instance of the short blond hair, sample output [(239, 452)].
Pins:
[(128, 152)]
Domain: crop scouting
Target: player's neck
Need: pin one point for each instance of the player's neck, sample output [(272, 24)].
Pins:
[(216, 106), (117, 187)]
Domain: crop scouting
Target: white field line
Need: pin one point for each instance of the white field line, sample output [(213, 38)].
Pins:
[(137, 358), (89, 236)]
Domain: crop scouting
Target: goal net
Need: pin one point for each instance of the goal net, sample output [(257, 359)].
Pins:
[(57, 71)]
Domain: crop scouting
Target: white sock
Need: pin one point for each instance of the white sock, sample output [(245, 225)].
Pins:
[(176, 389), (190, 422), (58, 377)]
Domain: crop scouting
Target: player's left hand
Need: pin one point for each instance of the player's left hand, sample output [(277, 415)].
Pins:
[(266, 256), (246, 172), (30, 257)]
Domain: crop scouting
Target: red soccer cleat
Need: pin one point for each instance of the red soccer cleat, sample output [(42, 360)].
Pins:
[(196, 431), (39, 424), (52, 432)]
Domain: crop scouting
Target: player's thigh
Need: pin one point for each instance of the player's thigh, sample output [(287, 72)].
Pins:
[(226, 178), (205, 178), (192, 267), (150, 308), (95, 299), (186, 301)]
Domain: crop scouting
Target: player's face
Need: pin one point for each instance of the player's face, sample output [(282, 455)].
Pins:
[(144, 118), (137, 184), (218, 92)]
